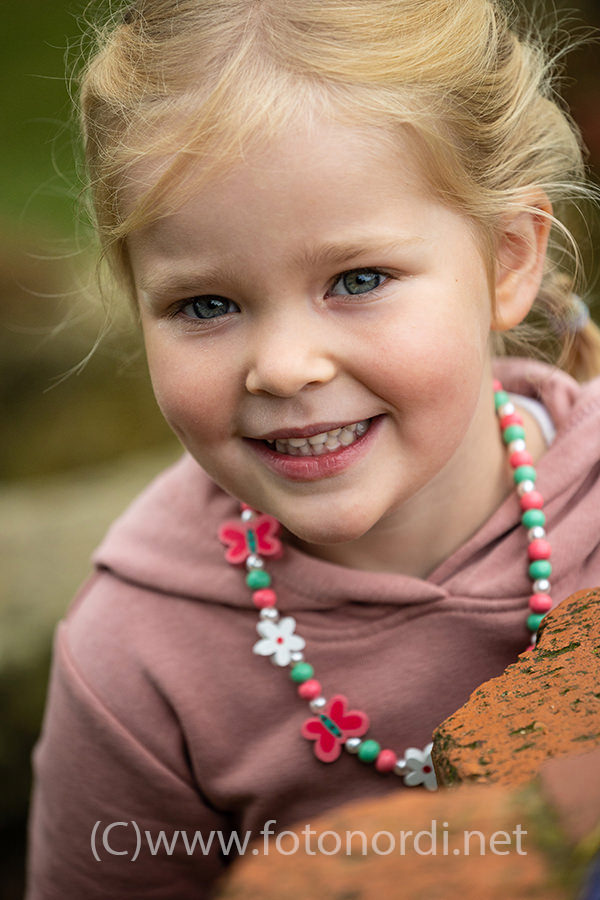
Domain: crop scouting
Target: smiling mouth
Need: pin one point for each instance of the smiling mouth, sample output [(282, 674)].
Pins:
[(321, 444)]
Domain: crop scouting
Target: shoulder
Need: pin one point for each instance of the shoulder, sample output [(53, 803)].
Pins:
[(571, 405), (167, 540)]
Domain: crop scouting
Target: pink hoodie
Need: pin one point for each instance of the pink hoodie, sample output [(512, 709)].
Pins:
[(159, 716)]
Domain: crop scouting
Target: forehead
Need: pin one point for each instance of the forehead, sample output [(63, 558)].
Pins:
[(317, 168), (314, 144)]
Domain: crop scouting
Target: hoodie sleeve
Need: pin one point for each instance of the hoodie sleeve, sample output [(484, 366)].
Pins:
[(108, 818)]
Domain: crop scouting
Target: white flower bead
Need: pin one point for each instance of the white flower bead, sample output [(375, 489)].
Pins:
[(278, 640), (420, 768)]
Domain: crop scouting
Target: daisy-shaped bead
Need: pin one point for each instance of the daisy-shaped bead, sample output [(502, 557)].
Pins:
[(420, 768), (278, 640)]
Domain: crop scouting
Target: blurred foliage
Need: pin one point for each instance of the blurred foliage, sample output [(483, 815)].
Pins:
[(63, 413)]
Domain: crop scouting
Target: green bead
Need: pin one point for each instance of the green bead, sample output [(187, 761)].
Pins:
[(533, 621), (540, 568), (258, 578), (302, 671), (500, 398), (524, 473), (369, 751), (531, 518), (513, 433)]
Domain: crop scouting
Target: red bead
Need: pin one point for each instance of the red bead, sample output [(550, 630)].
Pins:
[(386, 761), (521, 458), (244, 506), (264, 597), (497, 385), (310, 689), (539, 549), (540, 603), (531, 647), (510, 419), (532, 500)]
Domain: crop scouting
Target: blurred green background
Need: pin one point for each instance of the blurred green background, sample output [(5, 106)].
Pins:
[(78, 446)]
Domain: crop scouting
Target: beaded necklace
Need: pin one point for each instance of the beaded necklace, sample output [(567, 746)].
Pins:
[(333, 725)]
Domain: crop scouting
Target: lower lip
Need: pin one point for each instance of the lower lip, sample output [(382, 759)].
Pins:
[(311, 468)]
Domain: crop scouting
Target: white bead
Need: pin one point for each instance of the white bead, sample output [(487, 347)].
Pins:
[(506, 410), (254, 562), (534, 638), (525, 487), (517, 445), (352, 744), (535, 533), (317, 704), (297, 656), (400, 767), (246, 515), (269, 613), (541, 586)]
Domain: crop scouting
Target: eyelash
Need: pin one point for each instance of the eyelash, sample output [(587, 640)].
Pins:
[(178, 309)]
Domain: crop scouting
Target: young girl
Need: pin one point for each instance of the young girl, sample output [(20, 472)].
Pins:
[(332, 218)]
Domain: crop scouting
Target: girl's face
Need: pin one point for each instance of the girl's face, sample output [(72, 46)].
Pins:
[(316, 286)]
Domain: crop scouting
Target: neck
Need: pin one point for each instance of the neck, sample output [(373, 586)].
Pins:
[(432, 525)]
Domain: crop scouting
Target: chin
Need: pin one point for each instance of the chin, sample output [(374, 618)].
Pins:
[(329, 529)]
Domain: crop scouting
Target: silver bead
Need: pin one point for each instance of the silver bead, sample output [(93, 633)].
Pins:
[(541, 586), (525, 487), (506, 410), (534, 638), (317, 704), (254, 562), (246, 515), (517, 445), (400, 767), (352, 744), (536, 532), (297, 656), (269, 613)]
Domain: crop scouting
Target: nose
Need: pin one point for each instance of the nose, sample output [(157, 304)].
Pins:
[(287, 357)]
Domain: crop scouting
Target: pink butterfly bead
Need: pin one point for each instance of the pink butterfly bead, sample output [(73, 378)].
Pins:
[(258, 535), (333, 726)]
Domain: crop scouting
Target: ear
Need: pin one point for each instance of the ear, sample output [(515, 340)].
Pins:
[(520, 254)]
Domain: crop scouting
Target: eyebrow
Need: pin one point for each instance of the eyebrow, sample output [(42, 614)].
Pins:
[(337, 252), (159, 283)]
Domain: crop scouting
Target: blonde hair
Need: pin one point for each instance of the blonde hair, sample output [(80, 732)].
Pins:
[(180, 79)]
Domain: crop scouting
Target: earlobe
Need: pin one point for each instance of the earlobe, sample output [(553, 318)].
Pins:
[(520, 255)]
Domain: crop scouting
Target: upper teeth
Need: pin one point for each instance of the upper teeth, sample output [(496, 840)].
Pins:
[(317, 444)]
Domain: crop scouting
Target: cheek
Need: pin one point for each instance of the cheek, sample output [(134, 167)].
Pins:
[(430, 363), (191, 389)]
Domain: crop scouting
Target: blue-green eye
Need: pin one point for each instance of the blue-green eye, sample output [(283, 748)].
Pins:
[(360, 281), (209, 307)]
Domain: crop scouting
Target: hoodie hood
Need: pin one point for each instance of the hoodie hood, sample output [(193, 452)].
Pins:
[(167, 541)]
